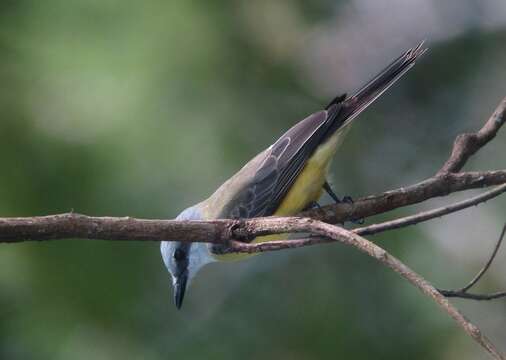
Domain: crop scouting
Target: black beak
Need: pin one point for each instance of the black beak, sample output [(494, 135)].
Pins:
[(179, 289)]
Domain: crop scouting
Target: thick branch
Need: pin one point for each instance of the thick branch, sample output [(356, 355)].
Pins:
[(436, 186), (77, 226), (74, 225)]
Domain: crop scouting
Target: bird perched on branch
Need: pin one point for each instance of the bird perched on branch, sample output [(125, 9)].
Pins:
[(286, 178)]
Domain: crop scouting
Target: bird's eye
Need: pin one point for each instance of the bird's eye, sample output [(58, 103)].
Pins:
[(179, 254)]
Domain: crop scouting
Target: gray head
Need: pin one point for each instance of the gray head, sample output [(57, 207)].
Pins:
[(184, 260)]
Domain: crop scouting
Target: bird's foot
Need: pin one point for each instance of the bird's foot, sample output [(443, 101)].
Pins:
[(349, 200), (346, 200), (312, 205)]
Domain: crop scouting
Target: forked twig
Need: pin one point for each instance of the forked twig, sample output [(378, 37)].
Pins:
[(463, 292), (467, 145)]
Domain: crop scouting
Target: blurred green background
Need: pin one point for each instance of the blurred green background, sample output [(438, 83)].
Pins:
[(143, 108)]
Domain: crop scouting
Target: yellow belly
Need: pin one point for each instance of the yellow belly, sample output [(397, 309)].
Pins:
[(306, 189)]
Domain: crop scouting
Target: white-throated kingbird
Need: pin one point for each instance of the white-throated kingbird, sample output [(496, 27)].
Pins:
[(282, 180)]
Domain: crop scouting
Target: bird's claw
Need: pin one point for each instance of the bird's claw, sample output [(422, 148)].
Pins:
[(346, 200)]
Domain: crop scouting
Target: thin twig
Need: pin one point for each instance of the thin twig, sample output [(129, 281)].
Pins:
[(489, 262), (463, 292), (472, 296), (431, 214)]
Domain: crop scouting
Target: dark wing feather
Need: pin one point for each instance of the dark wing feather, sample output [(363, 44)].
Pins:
[(286, 158), (282, 163)]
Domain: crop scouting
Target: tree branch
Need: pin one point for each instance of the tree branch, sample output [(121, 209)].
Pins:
[(73, 225), (467, 145), (436, 186), (78, 226), (431, 214), (335, 233), (242, 247)]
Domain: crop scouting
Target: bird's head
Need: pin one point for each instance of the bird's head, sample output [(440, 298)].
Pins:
[(183, 259)]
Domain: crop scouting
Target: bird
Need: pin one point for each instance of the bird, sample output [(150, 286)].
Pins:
[(284, 179)]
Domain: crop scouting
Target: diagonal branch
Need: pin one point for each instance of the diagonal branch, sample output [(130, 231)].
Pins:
[(335, 233), (241, 247), (467, 145), (489, 262), (430, 214), (436, 186)]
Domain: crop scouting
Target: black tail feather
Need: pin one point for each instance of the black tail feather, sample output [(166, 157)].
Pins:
[(378, 85), (346, 109)]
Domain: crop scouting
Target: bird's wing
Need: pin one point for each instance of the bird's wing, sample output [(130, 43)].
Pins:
[(280, 164)]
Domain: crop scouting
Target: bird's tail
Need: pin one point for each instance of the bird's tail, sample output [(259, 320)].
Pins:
[(354, 105)]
